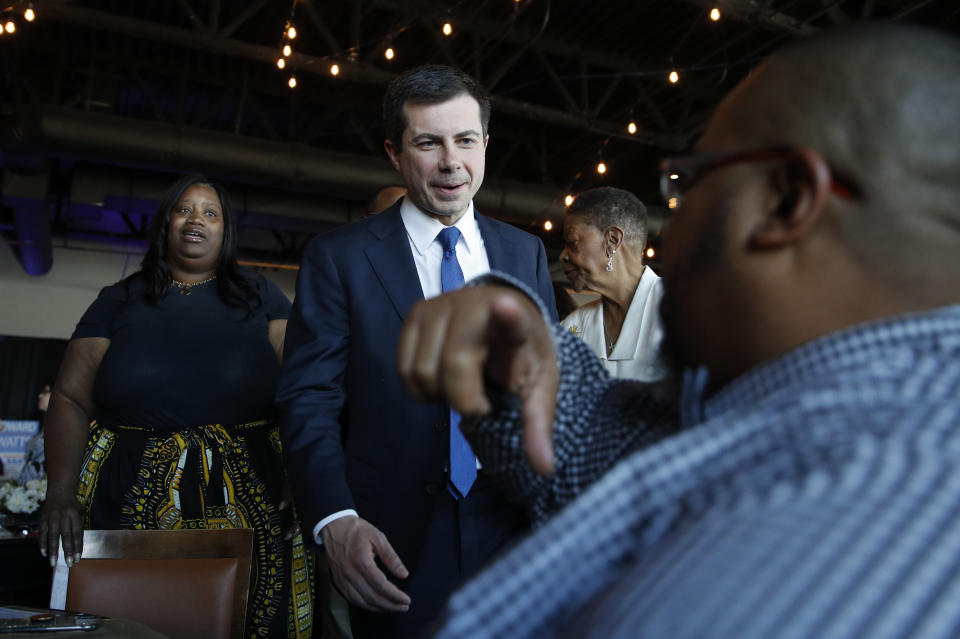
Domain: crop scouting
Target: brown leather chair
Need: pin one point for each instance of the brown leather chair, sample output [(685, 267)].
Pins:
[(182, 583)]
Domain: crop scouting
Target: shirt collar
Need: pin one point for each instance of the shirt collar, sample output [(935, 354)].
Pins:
[(860, 347), (423, 229), (693, 396)]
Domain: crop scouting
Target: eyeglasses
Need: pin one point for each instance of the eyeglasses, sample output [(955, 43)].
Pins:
[(679, 174)]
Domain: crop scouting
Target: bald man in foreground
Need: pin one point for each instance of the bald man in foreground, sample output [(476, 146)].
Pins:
[(812, 280)]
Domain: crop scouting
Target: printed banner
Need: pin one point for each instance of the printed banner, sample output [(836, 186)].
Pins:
[(13, 439)]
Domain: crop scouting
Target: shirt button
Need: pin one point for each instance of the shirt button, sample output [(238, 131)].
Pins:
[(433, 488), (441, 427)]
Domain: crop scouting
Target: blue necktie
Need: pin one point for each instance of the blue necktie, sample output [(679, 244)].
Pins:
[(463, 463)]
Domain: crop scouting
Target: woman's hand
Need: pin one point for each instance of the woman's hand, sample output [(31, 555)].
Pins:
[(66, 429), (61, 519), (286, 503)]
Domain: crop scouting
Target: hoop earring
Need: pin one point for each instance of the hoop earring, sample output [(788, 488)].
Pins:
[(610, 261)]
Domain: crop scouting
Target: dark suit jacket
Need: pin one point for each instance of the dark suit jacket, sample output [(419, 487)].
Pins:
[(354, 438)]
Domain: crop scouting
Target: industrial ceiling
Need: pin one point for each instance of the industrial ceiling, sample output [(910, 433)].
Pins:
[(104, 102)]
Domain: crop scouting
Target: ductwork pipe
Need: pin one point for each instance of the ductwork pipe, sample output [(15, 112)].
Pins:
[(115, 140)]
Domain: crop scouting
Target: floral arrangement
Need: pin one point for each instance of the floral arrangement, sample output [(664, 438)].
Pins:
[(22, 499)]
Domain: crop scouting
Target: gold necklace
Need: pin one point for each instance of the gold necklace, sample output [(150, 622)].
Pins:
[(185, 288)]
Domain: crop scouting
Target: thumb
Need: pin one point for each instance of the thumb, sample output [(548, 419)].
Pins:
[(523, 360), (539, 405)]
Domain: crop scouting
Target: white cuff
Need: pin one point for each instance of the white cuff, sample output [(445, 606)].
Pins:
[(326, 520)]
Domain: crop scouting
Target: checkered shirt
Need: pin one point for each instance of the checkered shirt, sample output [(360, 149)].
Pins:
[(818, 495)]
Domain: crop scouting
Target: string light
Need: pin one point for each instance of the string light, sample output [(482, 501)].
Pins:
[(547, 225), (672, 203), (601, 168), (674, 77), (29, 14), (447, 28), (651, 252), (568, 200), (334, 69), (715, 14), (10, 27), (632, 128), (289, 34), (389, 53)]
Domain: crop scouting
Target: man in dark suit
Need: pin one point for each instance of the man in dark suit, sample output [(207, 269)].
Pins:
[(370, 466)]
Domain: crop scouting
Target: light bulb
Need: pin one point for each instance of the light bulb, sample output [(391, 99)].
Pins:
[(287, 50), (632, 128), (672, 203), (292, 33), (651, 252), (10, 27), (601, 168), (674, 77), (281, 63), (447, 29), (334, 69), (568, 200), (292, 82), (547, 225), (389, 53), (29, 15), (715, 14)]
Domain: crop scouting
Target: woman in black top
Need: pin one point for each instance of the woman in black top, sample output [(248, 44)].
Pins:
[(176, 366)]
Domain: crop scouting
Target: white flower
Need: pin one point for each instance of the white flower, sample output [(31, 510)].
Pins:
[(19, 499), (19, 502)]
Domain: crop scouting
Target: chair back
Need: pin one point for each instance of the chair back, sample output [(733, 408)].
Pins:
[(182, 583)]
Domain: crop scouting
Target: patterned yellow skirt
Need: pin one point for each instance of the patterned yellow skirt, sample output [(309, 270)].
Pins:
[(206, 477)]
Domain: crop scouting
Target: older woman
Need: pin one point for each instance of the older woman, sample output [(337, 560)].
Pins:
[(605, 232), (177, 366)]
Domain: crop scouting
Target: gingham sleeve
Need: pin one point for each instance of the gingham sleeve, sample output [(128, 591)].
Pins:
[(589, 435)]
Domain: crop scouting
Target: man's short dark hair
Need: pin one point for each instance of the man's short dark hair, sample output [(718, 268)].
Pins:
[(607, 206), (429, 84)]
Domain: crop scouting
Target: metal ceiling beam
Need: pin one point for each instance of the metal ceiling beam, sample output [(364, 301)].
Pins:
[(905, 11), (115, 140), (517, 36), (240, 20), (356, 71), (758, 12), (192, 16)]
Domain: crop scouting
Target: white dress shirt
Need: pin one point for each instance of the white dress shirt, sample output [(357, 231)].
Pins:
[(637, 354), (422, 231)]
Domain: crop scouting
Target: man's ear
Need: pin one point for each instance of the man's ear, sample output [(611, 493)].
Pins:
[(392, 152), (801, 189)]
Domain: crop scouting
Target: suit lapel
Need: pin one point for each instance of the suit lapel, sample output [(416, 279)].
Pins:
[(501, 251), (389, 256)]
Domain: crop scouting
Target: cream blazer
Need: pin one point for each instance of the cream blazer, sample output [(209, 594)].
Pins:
[(637, 354)]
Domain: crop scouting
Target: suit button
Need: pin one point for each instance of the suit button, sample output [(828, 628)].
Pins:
[(441, 427), (433, 488)]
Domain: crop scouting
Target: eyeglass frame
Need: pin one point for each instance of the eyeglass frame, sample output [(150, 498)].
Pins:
[(699, 164)]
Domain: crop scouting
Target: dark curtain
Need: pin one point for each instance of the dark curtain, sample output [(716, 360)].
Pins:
[(26, 364)]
